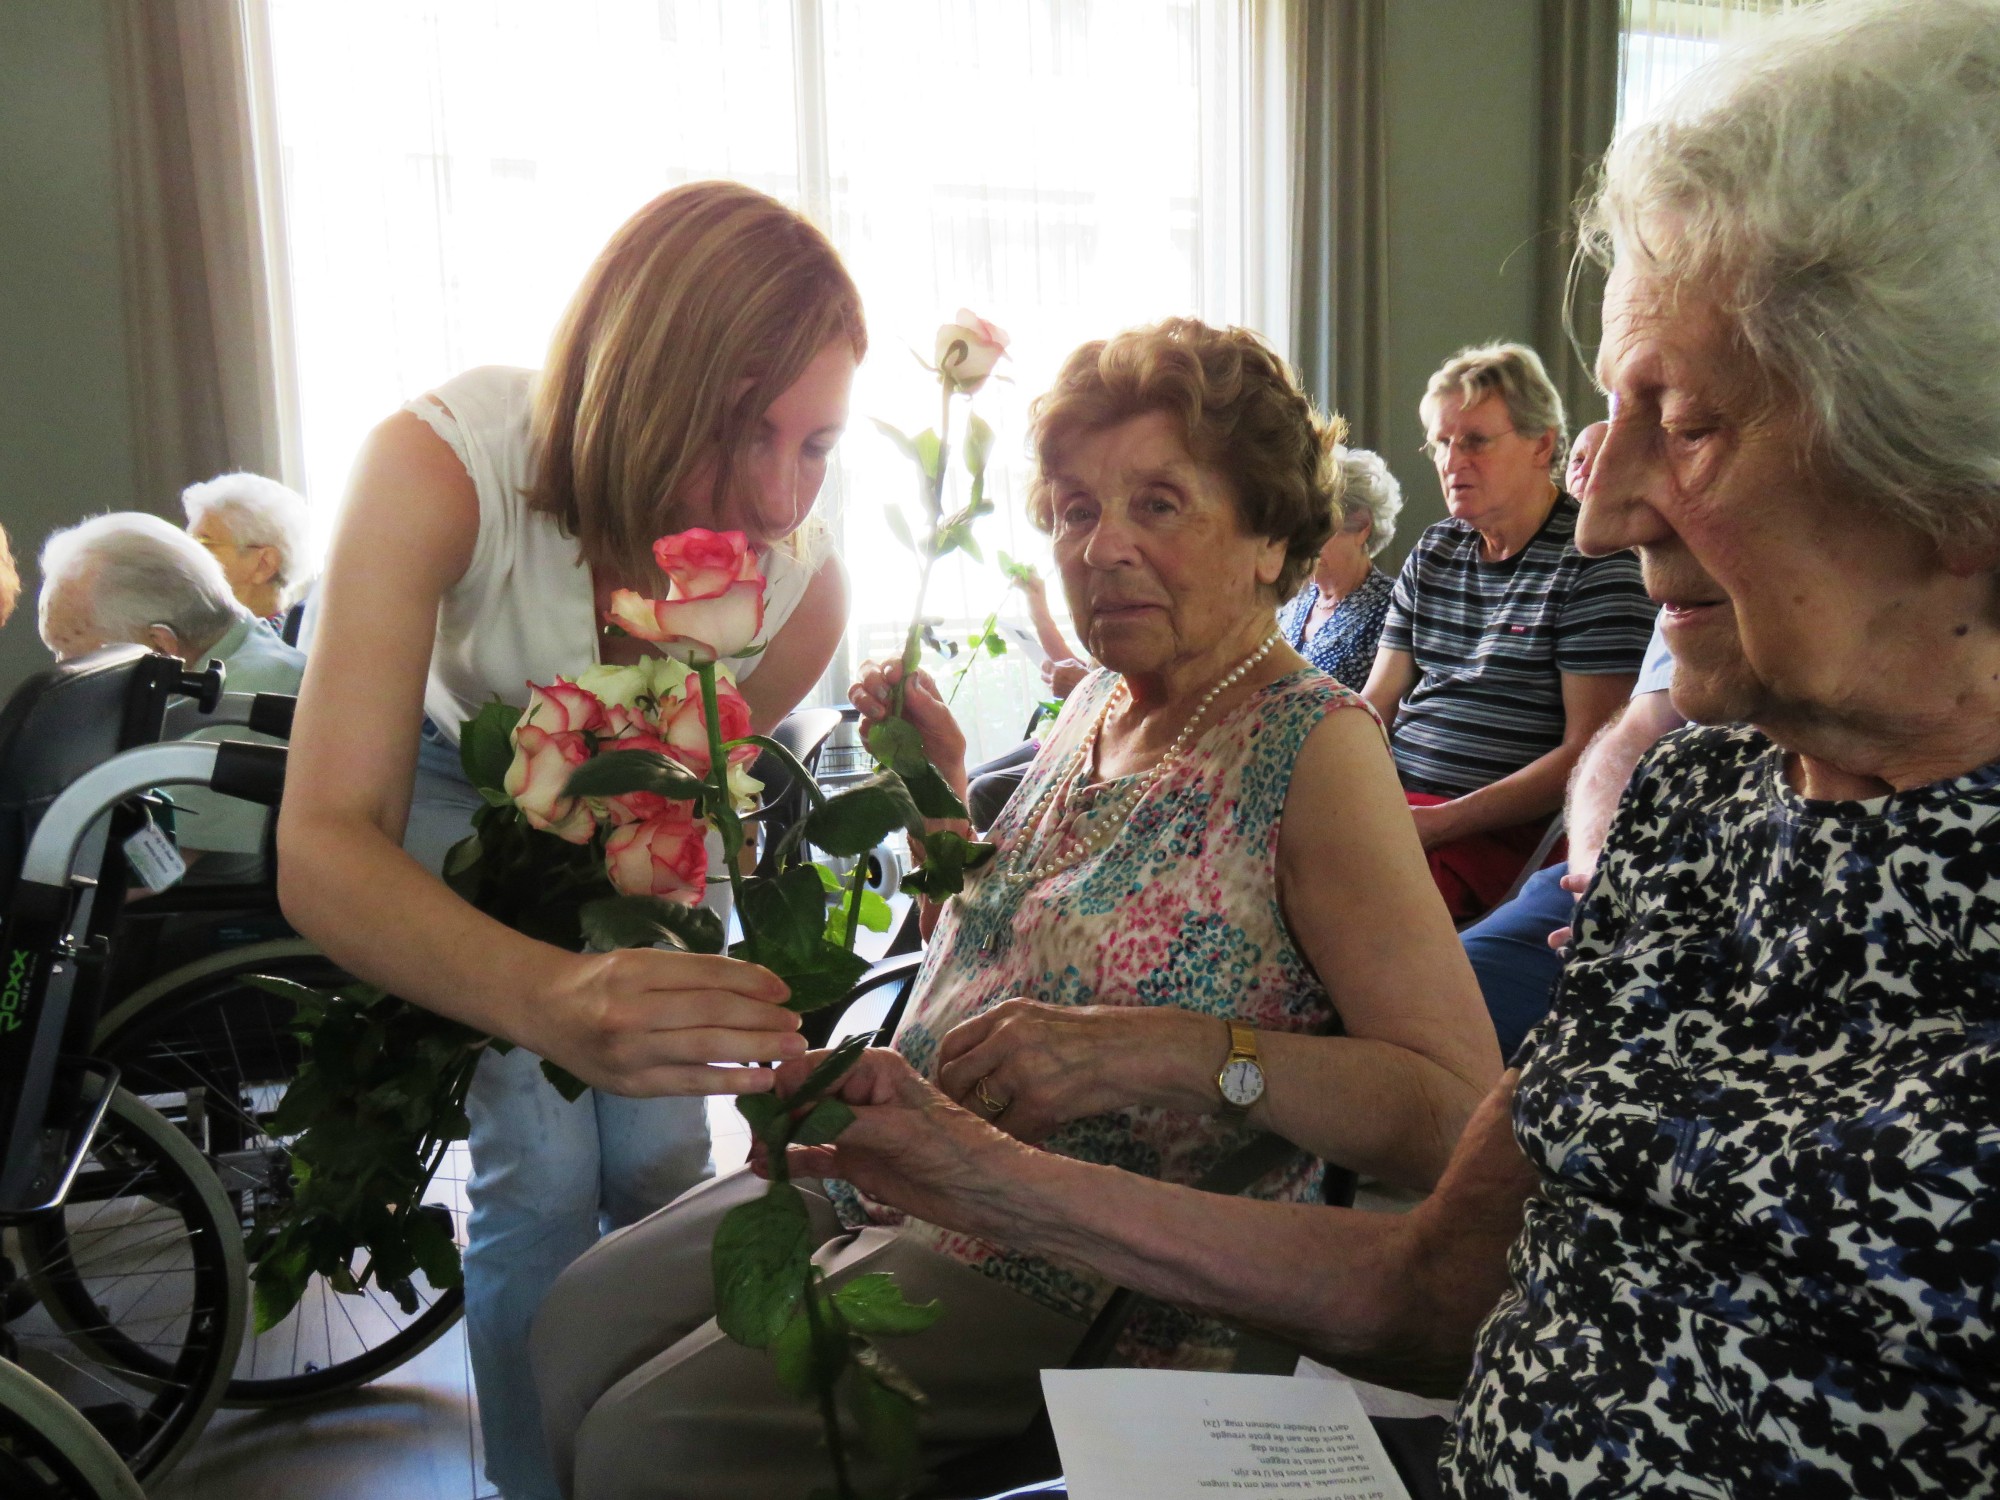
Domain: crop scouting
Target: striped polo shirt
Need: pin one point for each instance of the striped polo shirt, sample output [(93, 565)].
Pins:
[(1492, 640)]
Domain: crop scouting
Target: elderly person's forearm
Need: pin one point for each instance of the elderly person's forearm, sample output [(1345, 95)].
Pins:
[(1390, 1296)]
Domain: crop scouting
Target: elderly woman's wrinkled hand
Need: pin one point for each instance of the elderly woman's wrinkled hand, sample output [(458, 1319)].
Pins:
[(923, 706), (908, 1146), (1031, 1068)]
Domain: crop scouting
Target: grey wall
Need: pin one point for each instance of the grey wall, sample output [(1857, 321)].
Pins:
[(65, 429), (1463, 111)]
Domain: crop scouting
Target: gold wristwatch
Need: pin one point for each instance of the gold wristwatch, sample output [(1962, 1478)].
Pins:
[(1242, 1077)]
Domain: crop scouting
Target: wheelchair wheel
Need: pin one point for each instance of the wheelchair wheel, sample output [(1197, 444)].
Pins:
[(49, 1452), (139, 1290), (215, 1055)]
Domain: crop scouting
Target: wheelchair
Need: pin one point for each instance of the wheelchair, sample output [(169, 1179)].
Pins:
[(135, 1149), (123, 1293)]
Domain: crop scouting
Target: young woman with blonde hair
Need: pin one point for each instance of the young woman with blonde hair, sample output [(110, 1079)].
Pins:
[(699, 378)]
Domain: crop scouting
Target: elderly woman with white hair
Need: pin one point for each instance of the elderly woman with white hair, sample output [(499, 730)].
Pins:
[(261, 533), (1336, 619), (1733, 1228), (131, 577)]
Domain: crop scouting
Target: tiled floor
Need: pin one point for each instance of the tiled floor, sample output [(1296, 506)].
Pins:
[(412, 1435)]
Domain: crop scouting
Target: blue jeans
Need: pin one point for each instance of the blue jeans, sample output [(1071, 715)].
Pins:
[(1510, 953), (548, 1178)]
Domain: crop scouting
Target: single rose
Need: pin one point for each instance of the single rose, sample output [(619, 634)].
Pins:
[(700, 563), (685, 726), (694, 630), (563, 707), (665, 856), (543, 761), (968, 350)]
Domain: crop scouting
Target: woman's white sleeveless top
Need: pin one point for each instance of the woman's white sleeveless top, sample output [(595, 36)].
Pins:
[(524, 611)]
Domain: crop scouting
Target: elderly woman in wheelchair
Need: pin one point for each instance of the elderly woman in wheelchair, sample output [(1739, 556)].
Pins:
[(1206, 947)]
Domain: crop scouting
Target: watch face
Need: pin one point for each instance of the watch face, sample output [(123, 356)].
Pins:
[(1242, 1083)]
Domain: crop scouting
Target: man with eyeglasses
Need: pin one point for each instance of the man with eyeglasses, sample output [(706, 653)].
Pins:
[(1505, 649)]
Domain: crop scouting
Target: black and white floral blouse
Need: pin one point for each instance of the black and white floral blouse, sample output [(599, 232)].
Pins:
[(1766, 1106)]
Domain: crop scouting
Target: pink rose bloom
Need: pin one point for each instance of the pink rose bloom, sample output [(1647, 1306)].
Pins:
[(543, 761), (985, 346), (665, 856), (684, 727), (636, 807), (622, 724), (563, 706), (715, 597)]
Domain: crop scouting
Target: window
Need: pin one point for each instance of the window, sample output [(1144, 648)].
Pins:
[(1052, 164), (1662, 41)]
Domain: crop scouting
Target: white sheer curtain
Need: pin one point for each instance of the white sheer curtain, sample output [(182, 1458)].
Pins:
[(1064, 167), (1662, 41)]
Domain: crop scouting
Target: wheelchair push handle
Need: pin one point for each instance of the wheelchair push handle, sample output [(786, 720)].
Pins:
[(205, 686)]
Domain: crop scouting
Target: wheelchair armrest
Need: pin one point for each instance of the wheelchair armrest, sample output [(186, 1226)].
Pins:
[(265, 713), (53, 849)]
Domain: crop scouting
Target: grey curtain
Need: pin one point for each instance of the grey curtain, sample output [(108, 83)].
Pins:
[(1579, 112), (1340, 216), (206, 283)]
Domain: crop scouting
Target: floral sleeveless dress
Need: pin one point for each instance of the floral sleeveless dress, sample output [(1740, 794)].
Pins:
[(1180, 907)]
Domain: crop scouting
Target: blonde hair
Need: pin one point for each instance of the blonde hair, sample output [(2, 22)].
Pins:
[(705, 306), (1513, 372), (1240, 412)]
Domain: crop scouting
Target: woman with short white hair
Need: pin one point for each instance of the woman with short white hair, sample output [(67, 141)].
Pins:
[(1335, 621), (1733, 1227), (260, 532)]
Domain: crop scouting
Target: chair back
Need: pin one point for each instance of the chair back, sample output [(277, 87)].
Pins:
[(68, 720), (804, 732)]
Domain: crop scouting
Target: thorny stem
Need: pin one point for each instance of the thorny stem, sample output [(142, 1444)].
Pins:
[(828, 1415), (854, 902), (913, 642), (718, 778)]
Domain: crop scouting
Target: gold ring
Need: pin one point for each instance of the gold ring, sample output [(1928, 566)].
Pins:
[(995, 1108)]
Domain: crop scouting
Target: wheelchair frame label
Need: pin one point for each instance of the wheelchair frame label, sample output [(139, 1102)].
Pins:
[(20, 967)]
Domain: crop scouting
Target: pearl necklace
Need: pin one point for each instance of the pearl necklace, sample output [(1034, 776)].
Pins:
[(1066, 851)]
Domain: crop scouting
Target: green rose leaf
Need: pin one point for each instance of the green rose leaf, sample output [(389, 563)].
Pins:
[(858, 819), (613, 774), (928, 448), (641, 921), (898, 526), (486, 745), (433, 1248), (791, 1355), (828, 1118), (760, 1255), (884, 1402), (947, 858), (768, 1115), (832, 1068), (875, 1305), (876, 914), (932, 794), (898, 437), (822, 978), (564, 1082), (978, 445), (786, 915)]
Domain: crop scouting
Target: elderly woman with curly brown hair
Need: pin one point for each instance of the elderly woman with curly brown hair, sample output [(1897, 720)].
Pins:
[(1208, 920)]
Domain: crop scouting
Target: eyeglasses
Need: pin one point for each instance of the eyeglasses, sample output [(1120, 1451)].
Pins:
[(1471, 444)]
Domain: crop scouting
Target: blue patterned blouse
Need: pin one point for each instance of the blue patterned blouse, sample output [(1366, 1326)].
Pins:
[(1344, 646)]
